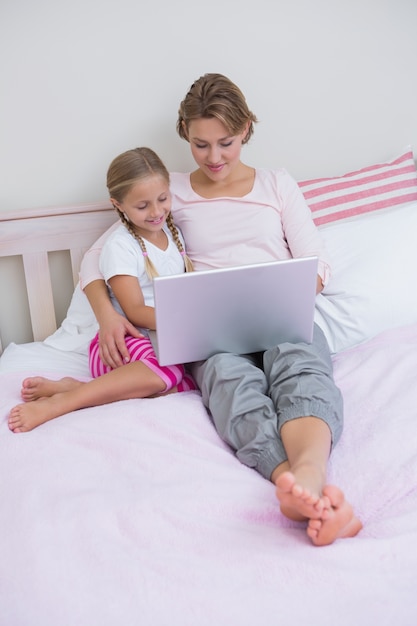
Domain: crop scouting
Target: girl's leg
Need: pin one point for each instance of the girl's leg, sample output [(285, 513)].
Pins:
[(141, 349), (133, 380), (141, 378), (36, 387)]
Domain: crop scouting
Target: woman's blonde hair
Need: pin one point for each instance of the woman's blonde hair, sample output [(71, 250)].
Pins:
[(214, 95), (124, 171)]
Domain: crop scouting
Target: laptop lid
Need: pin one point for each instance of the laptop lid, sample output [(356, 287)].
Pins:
[(238, 309)]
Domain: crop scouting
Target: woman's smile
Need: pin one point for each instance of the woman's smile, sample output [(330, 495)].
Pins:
[(216, 168)]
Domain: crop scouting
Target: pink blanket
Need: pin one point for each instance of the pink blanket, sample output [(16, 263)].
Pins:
[(136, 514)]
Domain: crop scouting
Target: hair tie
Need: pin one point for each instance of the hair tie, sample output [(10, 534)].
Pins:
[(145, 253), (182, 253)]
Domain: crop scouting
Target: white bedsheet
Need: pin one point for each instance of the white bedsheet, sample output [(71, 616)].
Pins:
[(135, 513), (38, 357)]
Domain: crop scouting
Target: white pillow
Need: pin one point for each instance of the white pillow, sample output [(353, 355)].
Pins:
[(373, 285), (368, 220)]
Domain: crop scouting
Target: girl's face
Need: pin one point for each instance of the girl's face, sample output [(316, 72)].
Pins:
[(215, 151), (147, 205)]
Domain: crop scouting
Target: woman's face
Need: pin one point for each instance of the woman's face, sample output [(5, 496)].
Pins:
[(215, 151)]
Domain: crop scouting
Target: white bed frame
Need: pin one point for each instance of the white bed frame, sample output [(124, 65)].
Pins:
[(32, 234)]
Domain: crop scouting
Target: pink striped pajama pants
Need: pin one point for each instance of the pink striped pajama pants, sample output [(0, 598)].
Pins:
[(142, 350)]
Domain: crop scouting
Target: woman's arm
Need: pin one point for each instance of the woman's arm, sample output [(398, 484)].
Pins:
[(301, 234), (113, 326)]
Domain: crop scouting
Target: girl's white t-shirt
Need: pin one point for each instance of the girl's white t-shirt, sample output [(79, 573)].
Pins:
[(121, 254)]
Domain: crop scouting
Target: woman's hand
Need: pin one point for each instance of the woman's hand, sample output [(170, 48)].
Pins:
[(319, 286), (112, 345), (113, 326)]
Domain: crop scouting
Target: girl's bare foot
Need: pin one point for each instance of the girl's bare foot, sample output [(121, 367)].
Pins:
[(37, 387), (336, 522), (25, 417), (299, 502)]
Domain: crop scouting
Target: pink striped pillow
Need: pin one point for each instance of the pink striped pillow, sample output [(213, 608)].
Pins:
[(369, 189)]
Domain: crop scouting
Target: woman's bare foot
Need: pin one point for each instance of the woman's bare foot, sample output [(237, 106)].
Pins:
[(37, 387), (298, 501), (336, 522)]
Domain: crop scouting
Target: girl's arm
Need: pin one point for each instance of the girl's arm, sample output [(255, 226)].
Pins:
[(130, 297), (113, 326)]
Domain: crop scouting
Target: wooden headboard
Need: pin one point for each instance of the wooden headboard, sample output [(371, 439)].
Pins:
[(32, 235)]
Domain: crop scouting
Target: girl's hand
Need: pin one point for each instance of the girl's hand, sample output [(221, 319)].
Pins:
[(112, 343)]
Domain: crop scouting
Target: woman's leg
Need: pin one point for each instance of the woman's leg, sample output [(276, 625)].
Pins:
[(234, 389), (309, 409), (291, 449), (310, 419)]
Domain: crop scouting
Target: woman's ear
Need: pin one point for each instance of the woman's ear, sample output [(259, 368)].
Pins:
[(115, 204), (245, 130), (184, 128)]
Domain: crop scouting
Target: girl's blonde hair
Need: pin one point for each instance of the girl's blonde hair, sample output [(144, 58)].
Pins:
[(124, 171), (214, 95)]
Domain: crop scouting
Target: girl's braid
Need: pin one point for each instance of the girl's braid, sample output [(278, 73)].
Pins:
[(149, 266), (174, 232)]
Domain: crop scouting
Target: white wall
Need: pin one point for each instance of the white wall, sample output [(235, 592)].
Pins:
[(333, 83)]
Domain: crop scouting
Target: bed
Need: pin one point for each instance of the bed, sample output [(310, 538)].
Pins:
[(135, 513)]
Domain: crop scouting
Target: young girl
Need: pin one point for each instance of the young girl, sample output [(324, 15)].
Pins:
[(145, 245)]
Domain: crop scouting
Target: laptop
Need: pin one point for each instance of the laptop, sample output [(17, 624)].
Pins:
[(241, 309)]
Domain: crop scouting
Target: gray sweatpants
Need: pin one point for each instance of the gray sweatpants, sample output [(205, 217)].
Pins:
[(251, 396)]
